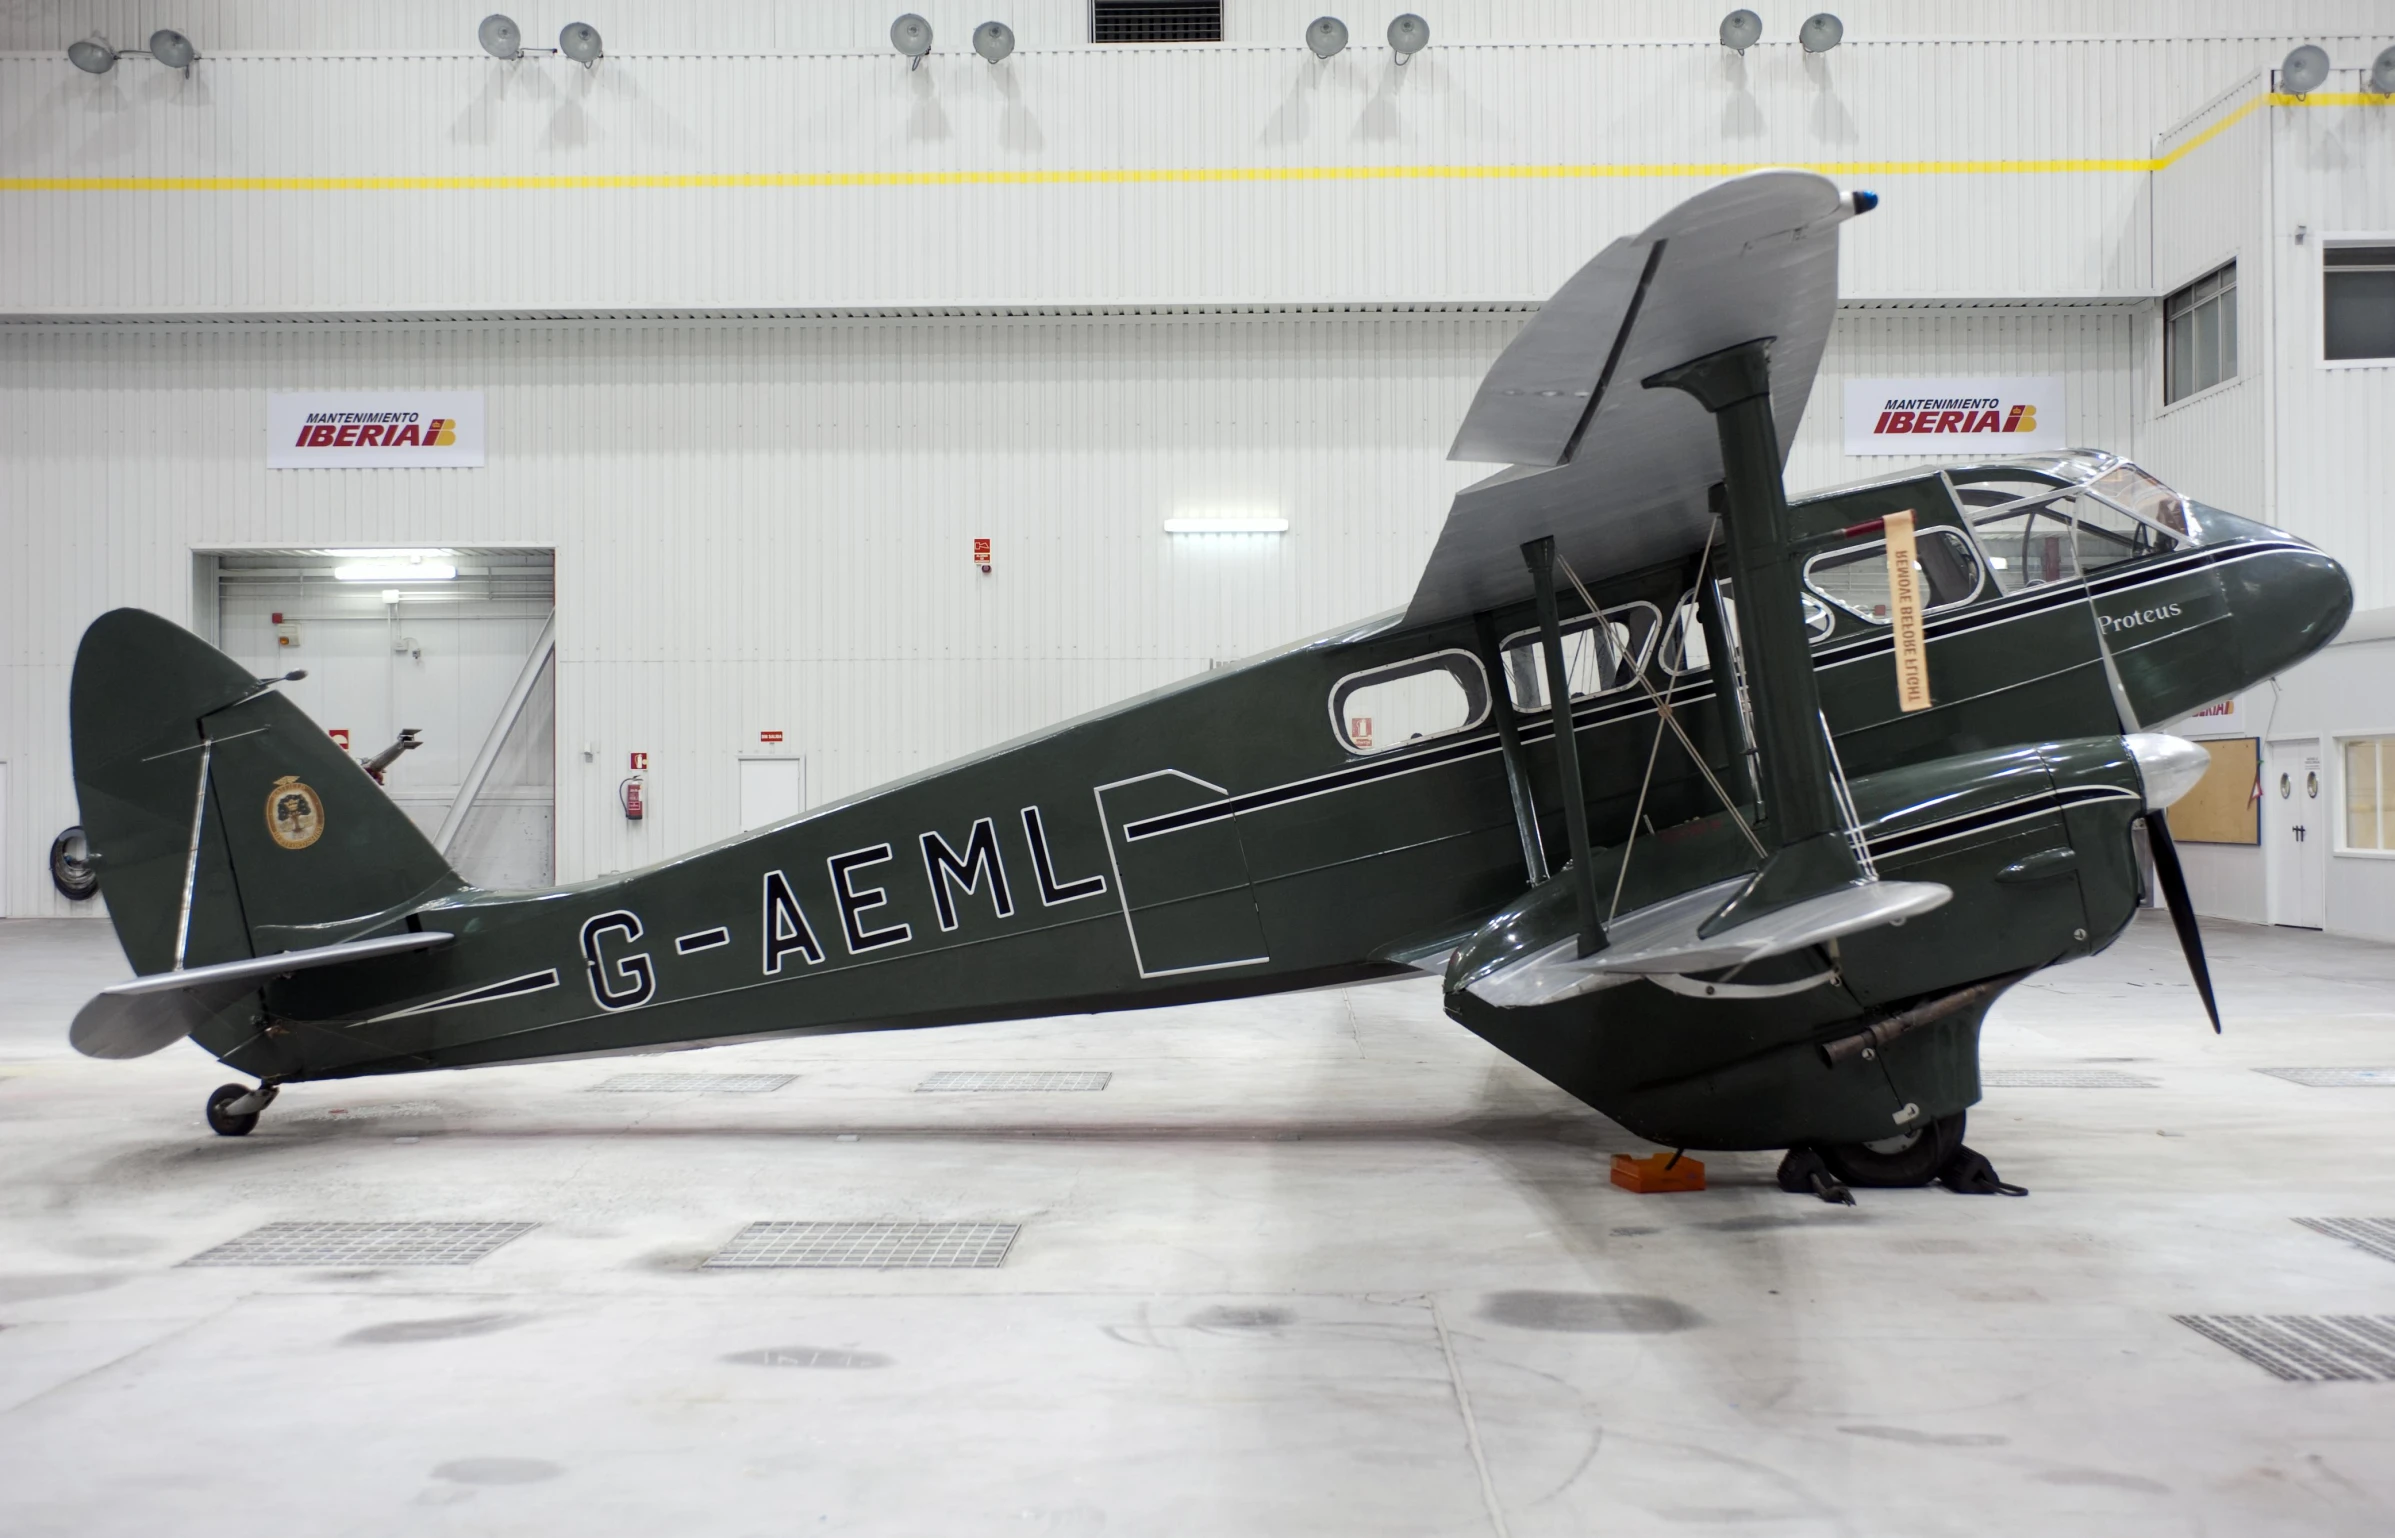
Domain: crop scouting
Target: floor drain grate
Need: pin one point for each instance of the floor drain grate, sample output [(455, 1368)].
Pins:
[(2306, 1348), (2335, 1078), (2061, 1078), (363, 1244), (2377, 1235), (980, 1082), (695, 1083), (873, 1246)]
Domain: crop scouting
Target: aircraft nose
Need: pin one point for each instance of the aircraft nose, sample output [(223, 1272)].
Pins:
[(2292, 602), (2169, 765)]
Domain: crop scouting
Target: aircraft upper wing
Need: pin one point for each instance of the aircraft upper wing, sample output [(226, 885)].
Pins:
[(1618, 474)]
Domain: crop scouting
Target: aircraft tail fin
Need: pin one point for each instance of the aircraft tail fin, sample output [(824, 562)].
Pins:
[(223, 822)]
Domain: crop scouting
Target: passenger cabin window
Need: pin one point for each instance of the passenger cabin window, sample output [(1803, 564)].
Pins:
[(1856, 578), (2028, 547), (1408, 702), (2357, 302), (2199, 334), (1594, 663)]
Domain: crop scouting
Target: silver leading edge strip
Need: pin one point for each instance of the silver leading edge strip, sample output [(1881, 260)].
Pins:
[(191, 860)]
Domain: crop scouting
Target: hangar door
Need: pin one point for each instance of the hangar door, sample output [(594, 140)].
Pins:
[(454, 644)]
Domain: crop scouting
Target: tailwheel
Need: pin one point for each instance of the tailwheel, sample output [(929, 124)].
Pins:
[(1913, 1157), (233, 1109)]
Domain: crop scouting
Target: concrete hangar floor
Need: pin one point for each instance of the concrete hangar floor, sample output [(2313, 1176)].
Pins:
[(1321, 1264)]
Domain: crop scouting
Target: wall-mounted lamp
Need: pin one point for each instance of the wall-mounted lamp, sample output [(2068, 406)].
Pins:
[(2303, 70), (1821, 32), (2382, 72), (93, 56), (1409, 34), (1226, 525), (911, 35), (580, 43), (993, 40), (1326, 35), (1741, 30)]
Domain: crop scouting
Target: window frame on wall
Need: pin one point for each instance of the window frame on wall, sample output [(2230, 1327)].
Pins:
[(2382, 792), (2222, 296), (2347, 242)]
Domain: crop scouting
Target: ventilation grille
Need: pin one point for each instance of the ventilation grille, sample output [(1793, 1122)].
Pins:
[(363, 1244), (2061, 1078), (2335, 1078), (1155, 21), (868, 1246), (695, 1083), (2306, 1348), (2377, 1235), (975, 1081)]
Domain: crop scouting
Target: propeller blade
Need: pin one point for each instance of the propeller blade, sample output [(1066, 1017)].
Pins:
[(2182, 909)]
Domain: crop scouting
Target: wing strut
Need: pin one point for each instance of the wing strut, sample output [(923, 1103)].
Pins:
[(1811, 853), (1539, 554), (1517, 767)]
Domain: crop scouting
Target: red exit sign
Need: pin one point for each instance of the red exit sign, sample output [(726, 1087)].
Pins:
[(769, 736)]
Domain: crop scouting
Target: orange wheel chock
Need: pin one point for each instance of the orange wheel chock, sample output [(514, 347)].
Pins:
[(1658, 1172)]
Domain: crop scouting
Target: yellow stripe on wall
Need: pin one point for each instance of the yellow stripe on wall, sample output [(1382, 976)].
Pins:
[(1434, 173)]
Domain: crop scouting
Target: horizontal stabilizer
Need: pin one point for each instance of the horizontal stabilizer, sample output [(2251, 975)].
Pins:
[(151, 1013), (1663, 939)]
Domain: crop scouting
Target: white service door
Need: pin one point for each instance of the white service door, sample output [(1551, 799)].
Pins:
[(771, 790), (2296, 832)]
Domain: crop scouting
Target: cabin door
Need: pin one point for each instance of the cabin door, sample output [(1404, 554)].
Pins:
[(1182, 875), (2296, 831)]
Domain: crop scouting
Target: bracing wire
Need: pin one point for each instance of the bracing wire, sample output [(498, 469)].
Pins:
[(1663, 709)]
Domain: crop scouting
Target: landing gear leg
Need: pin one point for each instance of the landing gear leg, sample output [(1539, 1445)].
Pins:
[(233, 1109)]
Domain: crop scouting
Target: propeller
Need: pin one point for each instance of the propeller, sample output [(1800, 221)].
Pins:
[(2182, 908)]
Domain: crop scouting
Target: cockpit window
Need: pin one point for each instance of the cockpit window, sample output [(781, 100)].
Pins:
[(2028, 547), (2065, 537), (2144, 497), (1856, 578)]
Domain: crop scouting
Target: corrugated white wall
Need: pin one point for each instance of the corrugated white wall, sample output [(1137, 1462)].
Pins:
[(1283, 180), (744, 26), (767, 526)]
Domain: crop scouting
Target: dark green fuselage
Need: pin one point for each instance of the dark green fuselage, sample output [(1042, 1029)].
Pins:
[(1219, 838)]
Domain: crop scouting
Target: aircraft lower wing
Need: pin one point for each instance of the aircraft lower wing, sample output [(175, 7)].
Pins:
[(1619, 474), (1665, 939), (152, 1013)]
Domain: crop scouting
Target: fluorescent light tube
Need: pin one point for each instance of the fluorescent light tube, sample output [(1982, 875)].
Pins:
[(394, 571), (1226, 525)]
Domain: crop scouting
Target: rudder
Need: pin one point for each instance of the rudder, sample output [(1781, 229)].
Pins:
[(298, 846)]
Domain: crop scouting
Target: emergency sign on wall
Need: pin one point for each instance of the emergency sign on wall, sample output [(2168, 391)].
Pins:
[(374, 429), (1993, 417)]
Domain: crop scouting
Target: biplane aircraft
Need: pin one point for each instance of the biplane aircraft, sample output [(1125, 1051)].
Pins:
[(1634, 772)]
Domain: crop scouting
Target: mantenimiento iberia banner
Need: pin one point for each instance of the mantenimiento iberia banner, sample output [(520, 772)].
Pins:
[(374, 429), (1992, 417)]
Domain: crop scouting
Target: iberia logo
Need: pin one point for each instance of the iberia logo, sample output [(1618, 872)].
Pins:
[(1982, 415), (374, 429)]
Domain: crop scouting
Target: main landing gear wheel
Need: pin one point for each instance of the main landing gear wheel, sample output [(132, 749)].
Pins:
[(1910, 1158), (225, 1121)]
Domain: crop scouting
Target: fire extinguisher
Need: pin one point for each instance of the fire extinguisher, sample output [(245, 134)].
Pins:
[(629, 793)]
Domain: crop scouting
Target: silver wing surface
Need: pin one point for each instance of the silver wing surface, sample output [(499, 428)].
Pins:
[(1618, 474)]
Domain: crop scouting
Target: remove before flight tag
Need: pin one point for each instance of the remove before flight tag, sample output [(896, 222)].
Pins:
[(1904, 611)]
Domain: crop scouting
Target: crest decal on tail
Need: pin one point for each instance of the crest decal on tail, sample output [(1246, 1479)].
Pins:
[(294, 813)]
